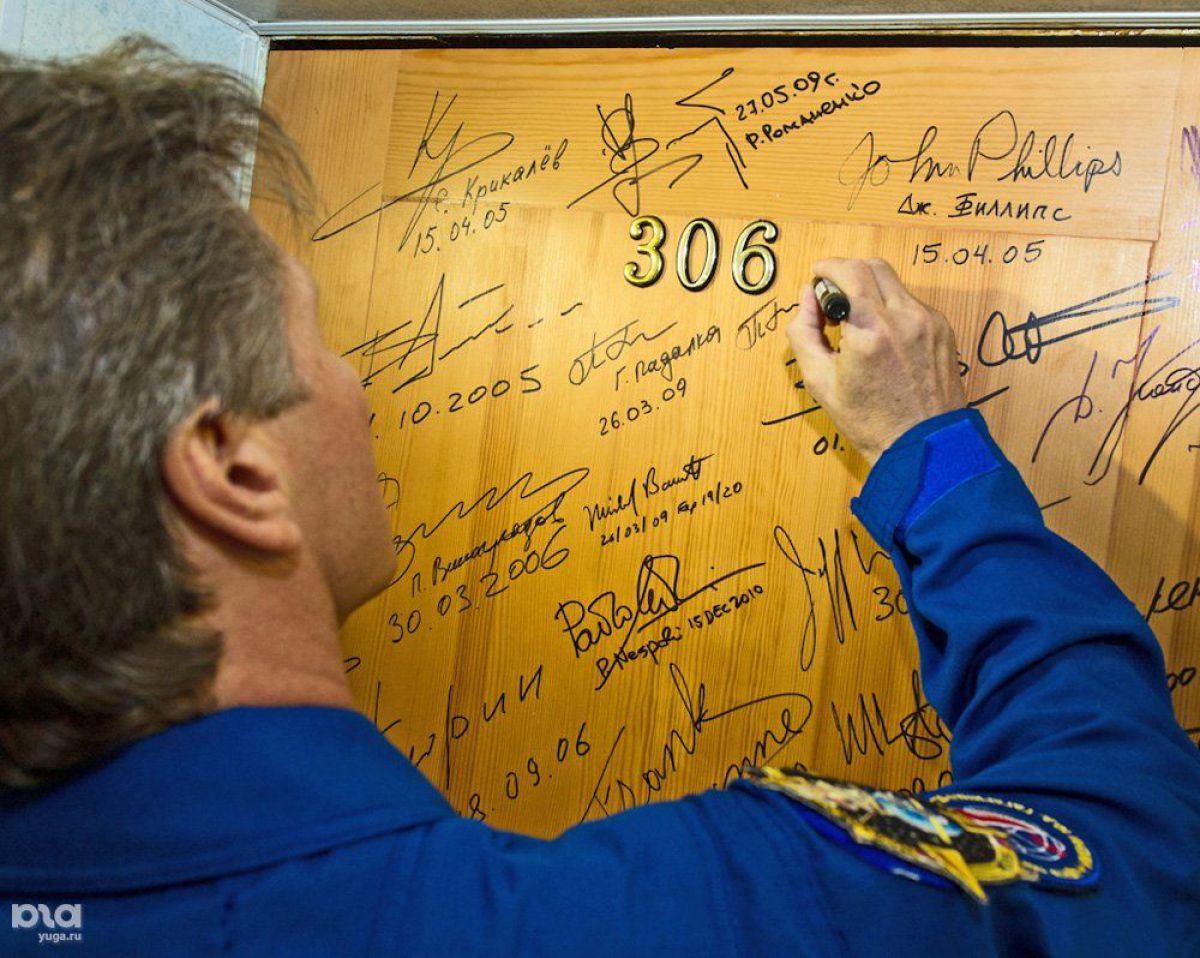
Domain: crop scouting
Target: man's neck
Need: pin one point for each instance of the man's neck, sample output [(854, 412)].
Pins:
[(280, 638), (249, 684)]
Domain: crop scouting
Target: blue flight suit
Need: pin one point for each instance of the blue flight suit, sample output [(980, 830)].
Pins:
[(301, 831)]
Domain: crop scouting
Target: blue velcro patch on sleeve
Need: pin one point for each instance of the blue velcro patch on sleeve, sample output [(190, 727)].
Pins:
[(953, 455)]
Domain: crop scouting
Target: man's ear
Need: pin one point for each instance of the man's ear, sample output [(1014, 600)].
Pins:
[(223, 474)]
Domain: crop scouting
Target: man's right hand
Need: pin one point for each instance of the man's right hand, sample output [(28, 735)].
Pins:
[(896, 365)]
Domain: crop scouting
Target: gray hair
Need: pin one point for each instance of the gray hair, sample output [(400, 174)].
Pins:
[(133, 286)]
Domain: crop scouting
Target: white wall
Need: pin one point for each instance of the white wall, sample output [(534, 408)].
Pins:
[(193, 28)]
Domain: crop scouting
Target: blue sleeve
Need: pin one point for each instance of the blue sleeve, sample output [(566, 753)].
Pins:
[(1050, 679), (1047, 675)]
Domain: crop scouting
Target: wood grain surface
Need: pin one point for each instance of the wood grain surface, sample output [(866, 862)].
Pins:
[(626, 563)]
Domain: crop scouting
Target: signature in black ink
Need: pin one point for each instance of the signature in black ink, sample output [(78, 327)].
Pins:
[(1032, 340), (832, 570), (764, 320), (627, 154), (876, 169), (795, 711), (649, 485), (612, 346), (394, 348), (405, 542), (404, 348), (447, 152), (999, 138), (664, 363), (1182, 381), (798, 384), (1001, 133), (424, 342), (866, 728), (731, 148), (657, 594), (835, 585), (1180, 597), (1084, 406)]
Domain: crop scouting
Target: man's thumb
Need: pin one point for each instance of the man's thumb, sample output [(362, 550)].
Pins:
[(809, 345)]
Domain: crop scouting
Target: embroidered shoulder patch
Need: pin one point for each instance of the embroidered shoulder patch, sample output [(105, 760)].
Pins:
[(1051, 854), (936, 842)]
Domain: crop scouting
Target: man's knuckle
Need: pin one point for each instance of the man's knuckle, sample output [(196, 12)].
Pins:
[(918, 315)]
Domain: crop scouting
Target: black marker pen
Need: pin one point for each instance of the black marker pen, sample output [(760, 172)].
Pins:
[(833, 301)]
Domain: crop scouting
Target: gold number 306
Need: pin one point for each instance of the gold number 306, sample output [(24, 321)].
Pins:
[(651, 248), (743, 253)]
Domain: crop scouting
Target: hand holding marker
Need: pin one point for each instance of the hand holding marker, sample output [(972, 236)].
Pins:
[(833, 301)]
